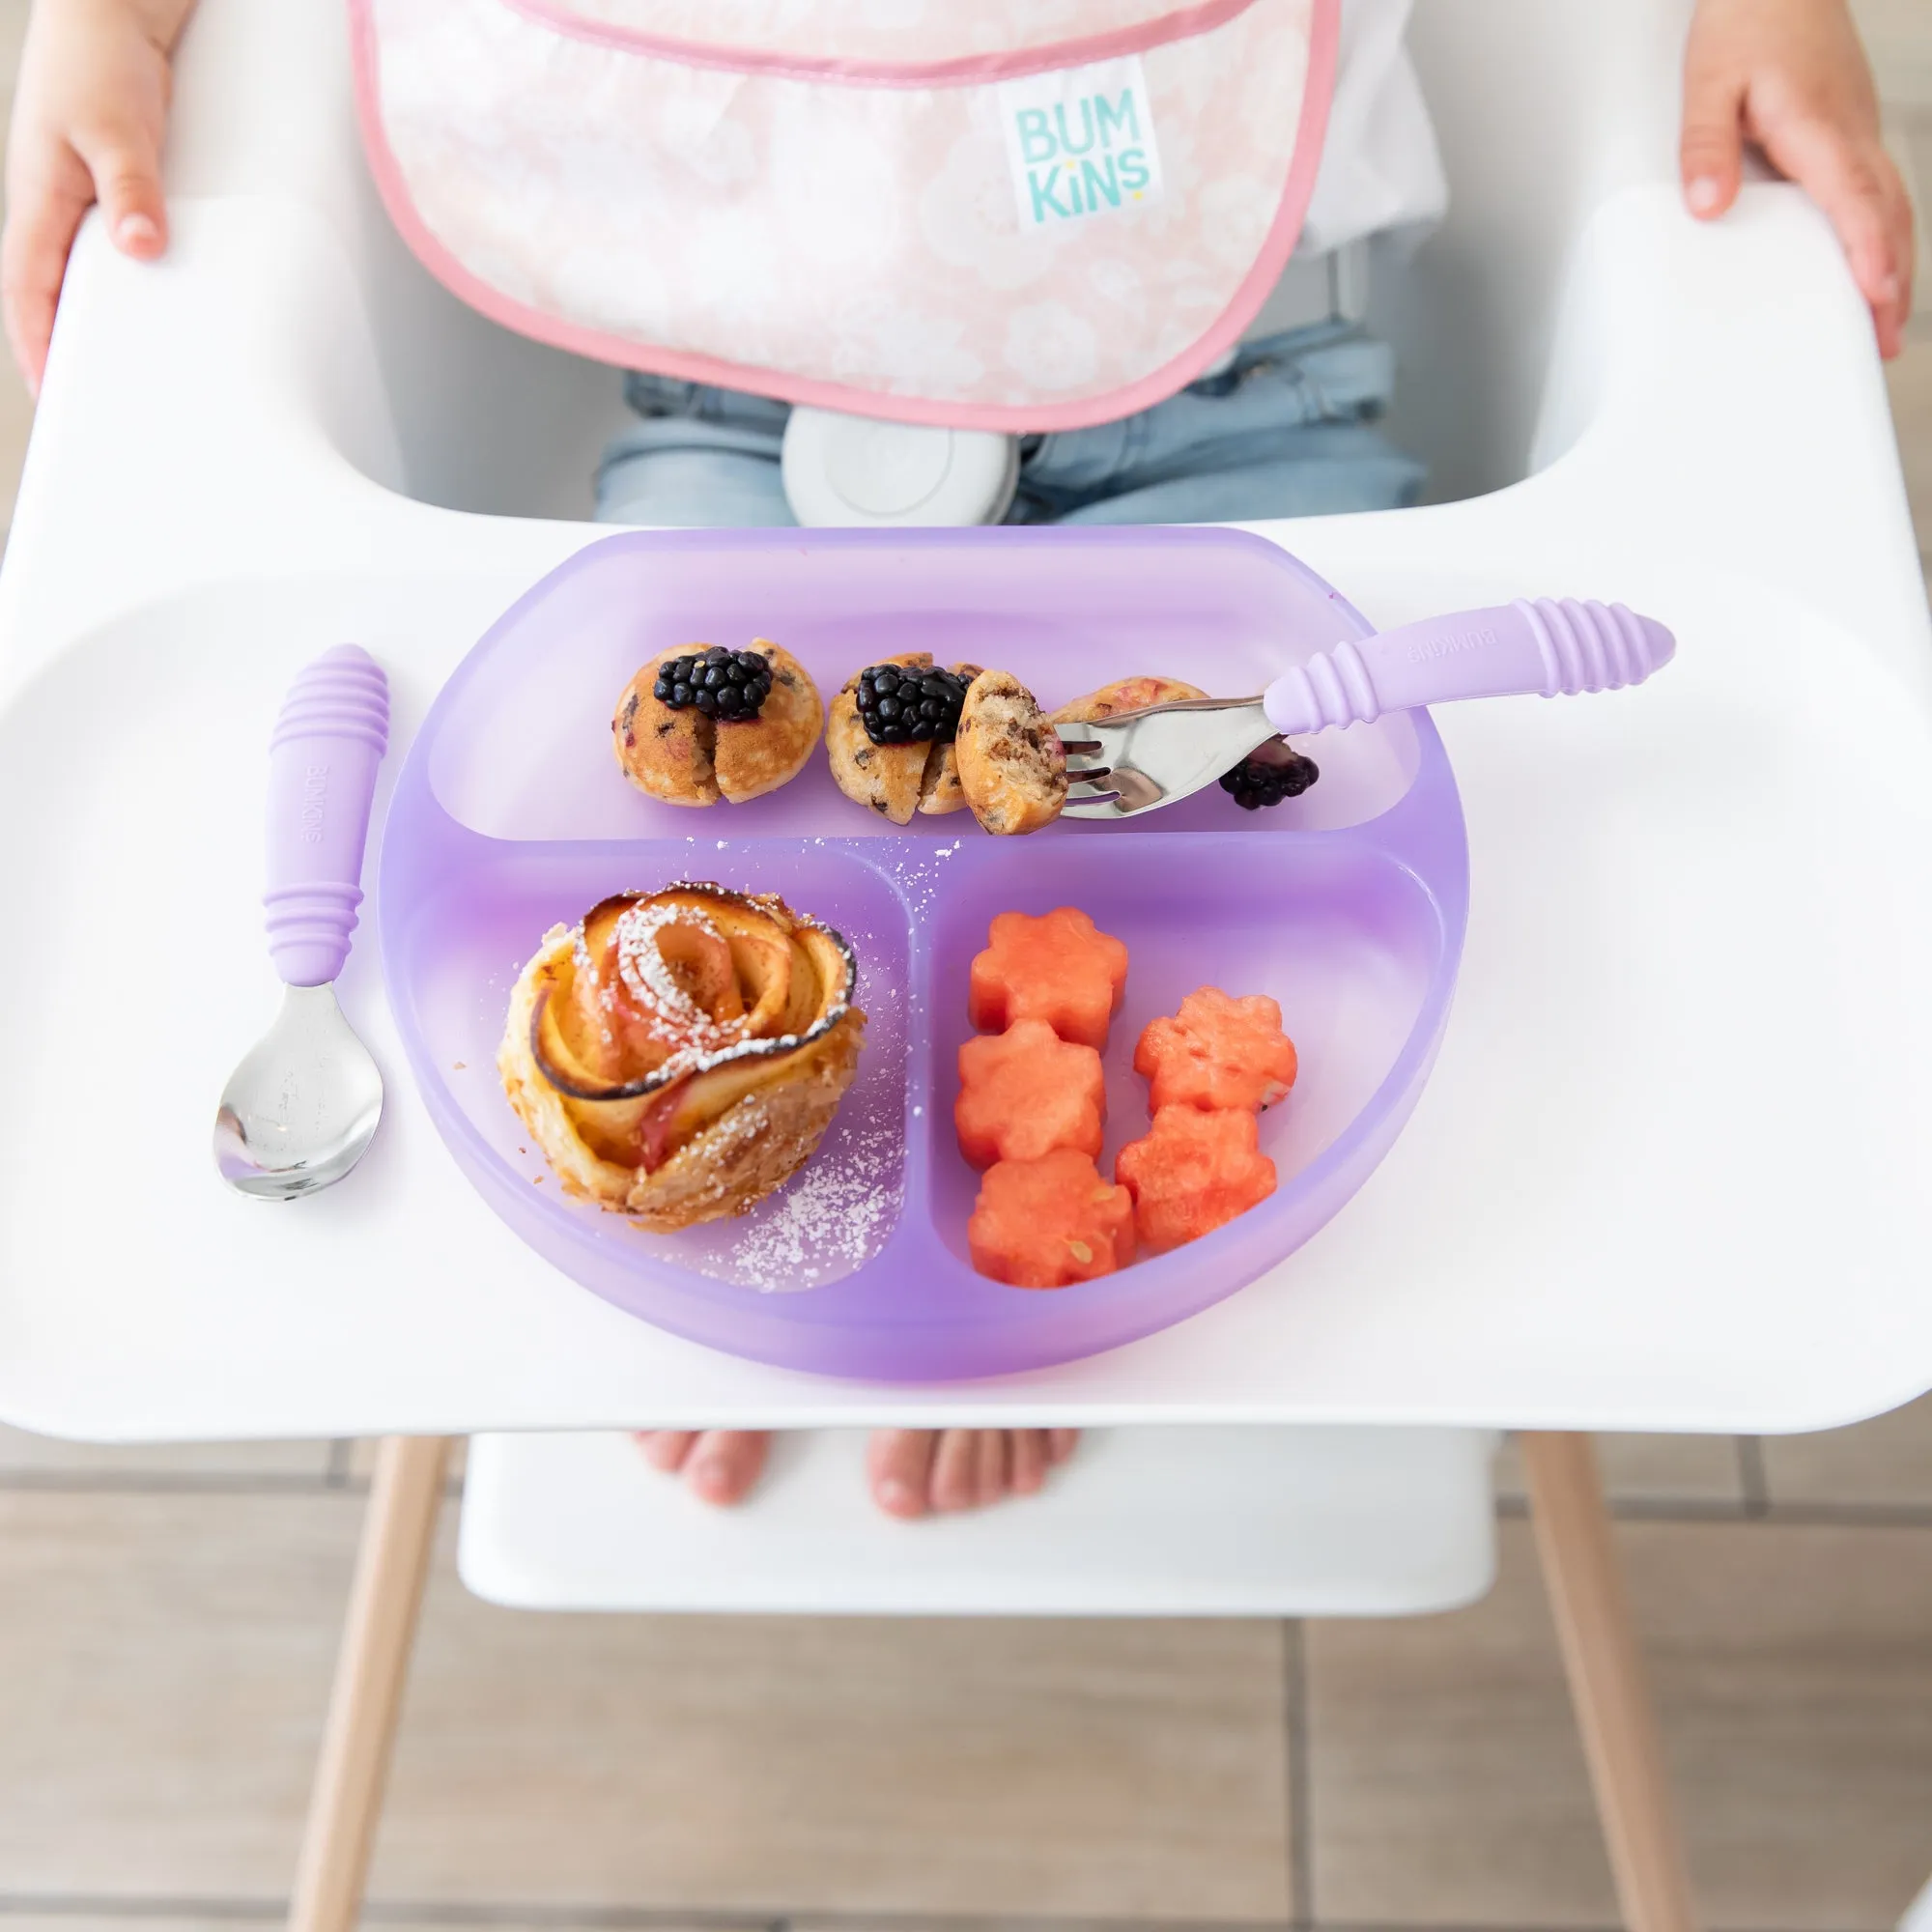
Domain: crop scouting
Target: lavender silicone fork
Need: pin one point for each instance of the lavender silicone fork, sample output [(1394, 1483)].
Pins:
[(301, 1107), (1551, 647)]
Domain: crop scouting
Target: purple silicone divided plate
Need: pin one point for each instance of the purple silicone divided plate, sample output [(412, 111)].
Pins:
[(1346, 904)]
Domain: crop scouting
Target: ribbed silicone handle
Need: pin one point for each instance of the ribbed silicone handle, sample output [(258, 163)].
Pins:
[(1554, 645), (330, 739)]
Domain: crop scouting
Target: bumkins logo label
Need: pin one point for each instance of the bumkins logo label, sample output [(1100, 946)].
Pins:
[(1450, 644), (1080, 142), (314, 803)]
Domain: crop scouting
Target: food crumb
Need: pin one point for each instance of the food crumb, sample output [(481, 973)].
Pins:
[(459, 1066)]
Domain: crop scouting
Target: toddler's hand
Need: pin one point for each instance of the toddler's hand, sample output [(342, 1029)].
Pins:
[(88, 118), (1790, 76)]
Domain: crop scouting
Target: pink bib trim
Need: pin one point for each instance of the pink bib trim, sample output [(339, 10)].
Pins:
[(487, 273), (562, 17)]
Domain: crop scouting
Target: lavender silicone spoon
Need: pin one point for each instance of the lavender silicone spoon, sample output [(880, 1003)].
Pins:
[(1553, 647), (298, 1113)]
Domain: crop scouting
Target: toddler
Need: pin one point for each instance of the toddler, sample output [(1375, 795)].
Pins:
[(1284, 427)]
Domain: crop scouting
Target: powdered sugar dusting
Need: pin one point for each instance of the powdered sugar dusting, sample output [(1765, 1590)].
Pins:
[(744, 1123), (917, 869), (829, 1219), (842, 1207), (650, 980)]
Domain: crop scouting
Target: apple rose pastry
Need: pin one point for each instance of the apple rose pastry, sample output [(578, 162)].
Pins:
[(678, 1055)]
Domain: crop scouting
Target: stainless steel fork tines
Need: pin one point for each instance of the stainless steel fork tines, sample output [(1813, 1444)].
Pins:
[(1552, 646), (1120, 766)]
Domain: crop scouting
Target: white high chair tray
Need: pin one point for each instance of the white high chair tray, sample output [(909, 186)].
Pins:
[(1669, 1173)]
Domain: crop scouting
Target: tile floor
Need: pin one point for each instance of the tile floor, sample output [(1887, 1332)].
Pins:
[(167, 1619)]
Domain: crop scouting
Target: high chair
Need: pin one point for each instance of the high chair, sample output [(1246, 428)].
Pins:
[(286, 428), (1322, 1522)]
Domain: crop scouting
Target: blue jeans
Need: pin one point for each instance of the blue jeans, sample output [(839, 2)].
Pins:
[(1287, 430)]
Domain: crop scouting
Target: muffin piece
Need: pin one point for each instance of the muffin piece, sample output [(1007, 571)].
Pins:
[(682, 753), (753, 756), (886, 779), (1125, 693), (939, 790), (916, 773), (663, 753), (1012, 768)]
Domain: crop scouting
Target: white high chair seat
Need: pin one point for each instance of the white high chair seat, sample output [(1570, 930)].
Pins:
[(1156, 1523)]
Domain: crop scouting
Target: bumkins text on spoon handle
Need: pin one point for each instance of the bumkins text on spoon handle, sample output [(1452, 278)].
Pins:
[(328, 743)]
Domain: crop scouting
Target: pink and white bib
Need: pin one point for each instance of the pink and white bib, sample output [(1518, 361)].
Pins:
[(1004, 214)]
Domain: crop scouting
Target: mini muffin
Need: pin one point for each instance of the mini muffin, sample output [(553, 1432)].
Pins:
[(1012, 768), (1126, 693), (890, 739), (885, 779), (700, 723)]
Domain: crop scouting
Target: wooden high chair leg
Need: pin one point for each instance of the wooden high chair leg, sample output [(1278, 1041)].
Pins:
[(1606, 1682), (391, 1565)]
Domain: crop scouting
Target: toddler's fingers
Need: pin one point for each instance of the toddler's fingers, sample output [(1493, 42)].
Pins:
[(1858, 189), (1892, 310), (1710, 149), (128, 183), (43, 214)]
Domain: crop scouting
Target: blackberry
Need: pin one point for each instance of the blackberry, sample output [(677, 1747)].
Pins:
[(901, 706), (729, 686), (1258, 781)]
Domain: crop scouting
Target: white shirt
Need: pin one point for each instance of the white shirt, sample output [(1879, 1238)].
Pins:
[(1380, 167), (1379, 172)]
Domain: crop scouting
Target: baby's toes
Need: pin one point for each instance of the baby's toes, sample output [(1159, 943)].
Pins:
[(960, 1467), (726, 1463), (900, 1465), (666, 1449), (1026, 1452), (995, 1464)]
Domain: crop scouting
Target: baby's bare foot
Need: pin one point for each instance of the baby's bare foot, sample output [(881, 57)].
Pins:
[(913, 1471), (720, 1465), (917, 1470)]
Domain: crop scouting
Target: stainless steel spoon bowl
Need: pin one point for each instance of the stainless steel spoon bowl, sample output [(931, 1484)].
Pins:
[(302, 1105), (300, 1109)]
